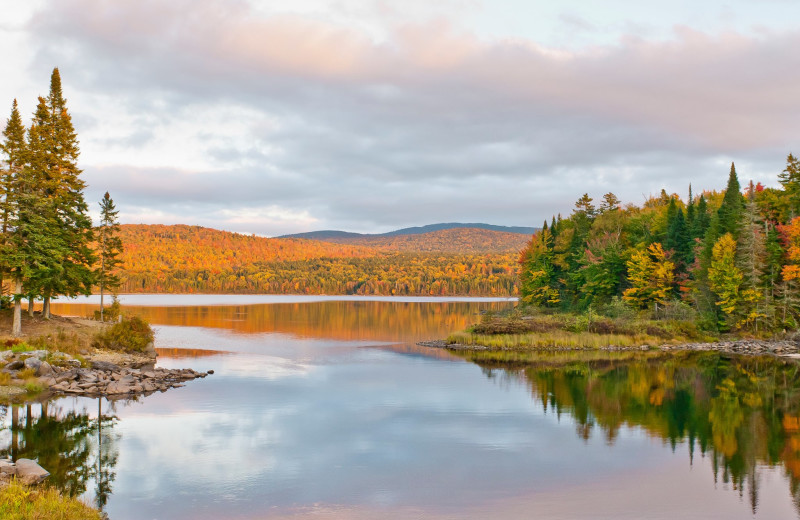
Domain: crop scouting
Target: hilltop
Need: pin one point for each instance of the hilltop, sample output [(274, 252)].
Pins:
[(331, 235)]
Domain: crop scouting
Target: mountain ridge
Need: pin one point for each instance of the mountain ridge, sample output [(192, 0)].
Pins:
[(416, 230)]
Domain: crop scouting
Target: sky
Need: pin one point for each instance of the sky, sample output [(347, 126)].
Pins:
[(369, 115)]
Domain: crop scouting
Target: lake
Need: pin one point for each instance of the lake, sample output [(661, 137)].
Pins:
[(325, 407)]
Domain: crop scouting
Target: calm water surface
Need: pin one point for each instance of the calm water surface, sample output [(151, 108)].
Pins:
[(326, 408)]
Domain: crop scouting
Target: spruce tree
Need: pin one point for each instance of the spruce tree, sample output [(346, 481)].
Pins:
[(13, 148), (73, 233), (110, 247), (732, 208)]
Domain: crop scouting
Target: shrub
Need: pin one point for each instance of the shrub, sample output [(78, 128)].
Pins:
[(130, 335)]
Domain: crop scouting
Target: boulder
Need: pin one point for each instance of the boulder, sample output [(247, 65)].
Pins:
[(33, 363), (44, 369), (6, 355), (29, 472)]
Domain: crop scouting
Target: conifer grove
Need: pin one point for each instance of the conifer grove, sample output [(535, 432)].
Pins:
[(727, 260), (48, 247)]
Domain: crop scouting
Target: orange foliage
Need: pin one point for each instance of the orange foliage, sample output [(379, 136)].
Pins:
[(191, 259)]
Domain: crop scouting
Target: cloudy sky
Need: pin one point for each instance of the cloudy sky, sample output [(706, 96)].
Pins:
[(369, 115)]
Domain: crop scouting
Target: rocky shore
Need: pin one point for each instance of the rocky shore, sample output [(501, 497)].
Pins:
[(60, 373), (784, 348)]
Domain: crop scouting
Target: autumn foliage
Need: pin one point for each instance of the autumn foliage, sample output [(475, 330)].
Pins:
[(730, 259), (192, 259)]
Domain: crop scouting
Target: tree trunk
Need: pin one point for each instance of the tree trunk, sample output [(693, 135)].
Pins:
[(46, 307), (16, 327), (31, 299)]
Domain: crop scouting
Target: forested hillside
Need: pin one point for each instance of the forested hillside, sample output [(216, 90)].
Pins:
[(187, 259)]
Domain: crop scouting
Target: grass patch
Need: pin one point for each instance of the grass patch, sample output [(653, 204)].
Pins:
[(26, 373), (554, 339), (522, 329), (34, 387), (18, 502), (131, 335), (5, 378)]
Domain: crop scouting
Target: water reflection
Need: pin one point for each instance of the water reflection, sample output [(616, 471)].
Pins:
[(338, 320), (742, 412), (78, 449)]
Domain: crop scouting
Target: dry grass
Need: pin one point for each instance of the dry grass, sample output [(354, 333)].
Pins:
[(70, 335), (18, 502), (555, 339)]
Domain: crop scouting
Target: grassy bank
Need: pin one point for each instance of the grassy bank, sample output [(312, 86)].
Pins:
[(19, 502), (526, 329)]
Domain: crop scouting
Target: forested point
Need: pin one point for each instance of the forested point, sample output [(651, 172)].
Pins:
[(48, 244), (730, 260)]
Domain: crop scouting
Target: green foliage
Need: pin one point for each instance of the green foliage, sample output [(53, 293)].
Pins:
[(133, 334)]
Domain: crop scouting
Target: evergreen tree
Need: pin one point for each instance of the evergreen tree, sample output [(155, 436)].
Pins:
[(73, 275), (13, 149), (677, 238), (110, 247), (701, 220), (790, 180), (732, 208)]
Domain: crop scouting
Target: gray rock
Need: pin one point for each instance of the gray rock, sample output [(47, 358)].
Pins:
[(6, 355), (44, 369), (41, 355), (33, 363), (29, 472), (7, 467), (105, 365)]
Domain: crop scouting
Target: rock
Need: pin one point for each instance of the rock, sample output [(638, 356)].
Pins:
[(29, 472), (210, 372), (44, 369), (15, 365), (105, 365), (6, 355), (33, 363), (7, 467)]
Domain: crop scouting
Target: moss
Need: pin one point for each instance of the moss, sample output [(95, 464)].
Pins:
[(18, 502)]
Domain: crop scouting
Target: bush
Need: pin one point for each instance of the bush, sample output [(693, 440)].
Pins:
[(131, 335)]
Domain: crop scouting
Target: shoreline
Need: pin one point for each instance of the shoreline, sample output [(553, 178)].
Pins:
[(753, 347)]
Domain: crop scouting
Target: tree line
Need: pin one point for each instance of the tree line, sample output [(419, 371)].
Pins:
[(729, 260), (48, 245)]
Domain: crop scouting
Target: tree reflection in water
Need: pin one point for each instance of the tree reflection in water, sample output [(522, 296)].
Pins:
[(77, 449), (743, 412)]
